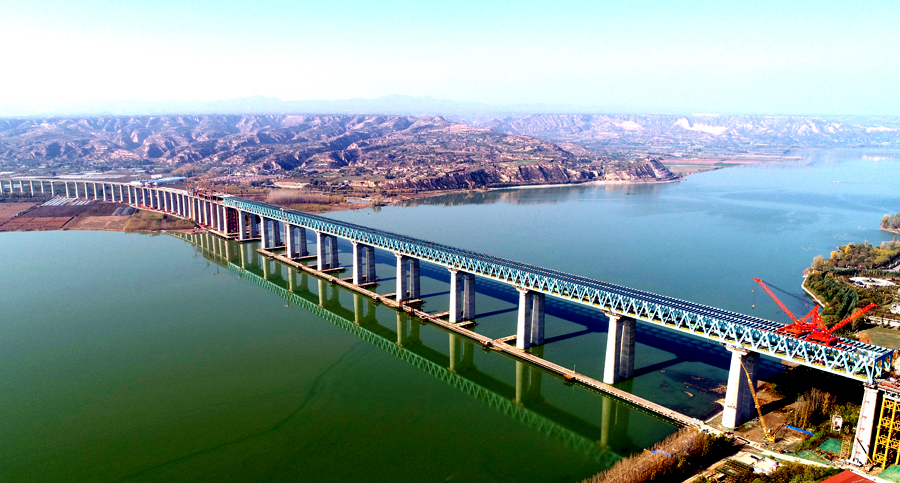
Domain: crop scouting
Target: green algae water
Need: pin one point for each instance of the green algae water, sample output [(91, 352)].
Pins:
[(151, 358), (128, 357)]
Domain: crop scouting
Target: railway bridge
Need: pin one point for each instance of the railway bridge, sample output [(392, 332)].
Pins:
[(746, 337)]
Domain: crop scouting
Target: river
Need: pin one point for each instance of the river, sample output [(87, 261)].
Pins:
[(148, 357)]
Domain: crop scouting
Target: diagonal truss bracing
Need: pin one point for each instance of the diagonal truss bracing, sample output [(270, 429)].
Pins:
[(847, 358)]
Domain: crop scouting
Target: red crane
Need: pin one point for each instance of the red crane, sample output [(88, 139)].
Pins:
[(811, 325)]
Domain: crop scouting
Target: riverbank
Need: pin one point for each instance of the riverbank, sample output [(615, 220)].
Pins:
[(94, 216)]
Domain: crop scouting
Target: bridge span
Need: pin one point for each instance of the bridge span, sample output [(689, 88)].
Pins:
[(746, 337)]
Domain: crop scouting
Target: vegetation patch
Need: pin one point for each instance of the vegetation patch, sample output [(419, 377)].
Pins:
[(681, 454), (144, 220)]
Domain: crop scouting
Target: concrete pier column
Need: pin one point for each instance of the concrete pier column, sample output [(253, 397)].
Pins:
[(619, 349), (523, 325), (357, 262), (530, 325), (130, 198), (65, 183), (290, 249), (321, 240), (370, 263), (52, 189), (121, 193), (254, 226), (739, 406), (95, 190), (415, 286), (333, 251), (862, 443), (242, 225), (302, 244), (31, 184), (402, 282), (469, 297), (456, 306), (537, 319), (266, 232), (42, 186), (103, 189), (278, 227), (76, 190)]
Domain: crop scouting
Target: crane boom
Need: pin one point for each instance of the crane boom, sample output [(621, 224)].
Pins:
[(777, 301), (762, 421), (851, 318)]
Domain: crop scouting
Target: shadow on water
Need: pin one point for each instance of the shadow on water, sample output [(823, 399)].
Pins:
[(456, 363)]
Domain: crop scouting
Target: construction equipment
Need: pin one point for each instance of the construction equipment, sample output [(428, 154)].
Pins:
[(811, 327), (768, 434)]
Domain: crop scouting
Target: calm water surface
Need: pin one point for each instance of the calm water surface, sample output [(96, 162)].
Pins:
[(148, 358)]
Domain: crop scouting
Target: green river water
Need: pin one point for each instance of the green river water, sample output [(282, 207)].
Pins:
[(131, 357)]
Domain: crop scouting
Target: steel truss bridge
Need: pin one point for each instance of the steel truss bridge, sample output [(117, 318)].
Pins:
[(530, 418), (848, 358)]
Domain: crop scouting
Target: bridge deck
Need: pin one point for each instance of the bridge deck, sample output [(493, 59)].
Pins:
[(848, 358)]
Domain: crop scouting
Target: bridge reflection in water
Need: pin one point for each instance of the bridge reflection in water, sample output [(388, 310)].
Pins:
[(604, 443)]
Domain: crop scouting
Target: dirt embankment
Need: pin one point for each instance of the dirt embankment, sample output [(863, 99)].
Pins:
[(92, 216)]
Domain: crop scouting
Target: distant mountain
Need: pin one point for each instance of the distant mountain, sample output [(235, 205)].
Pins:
[(735, 133), (263, 142)]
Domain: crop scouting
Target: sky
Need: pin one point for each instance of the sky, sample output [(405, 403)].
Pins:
[(756, 57)]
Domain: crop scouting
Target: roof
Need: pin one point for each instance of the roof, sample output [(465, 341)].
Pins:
[(848, 476)]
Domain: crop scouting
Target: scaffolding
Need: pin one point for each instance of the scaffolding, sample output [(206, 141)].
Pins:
[(886, 450)]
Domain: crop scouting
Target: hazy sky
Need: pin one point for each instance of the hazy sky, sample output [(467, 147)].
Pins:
[(803, 57)]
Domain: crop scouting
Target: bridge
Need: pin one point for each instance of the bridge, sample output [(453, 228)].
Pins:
[(746, 337)]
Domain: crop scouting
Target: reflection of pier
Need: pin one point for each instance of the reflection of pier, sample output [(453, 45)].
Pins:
[(457, 368)]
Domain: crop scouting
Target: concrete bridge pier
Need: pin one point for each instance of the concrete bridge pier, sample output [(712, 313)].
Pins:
[(739, 406), (862, 443), (402, 287), (266, 236), (254, 226), (357, 262), (302, 243), (290, 245), (242, 225), (462, 296), (324, 245), (408, 281), (530, 324), (333, 252), (277, 229), (361, 252), (76, 190), (31, 184), (619, 349)]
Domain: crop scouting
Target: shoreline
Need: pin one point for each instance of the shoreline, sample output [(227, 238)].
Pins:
[(809, 292)]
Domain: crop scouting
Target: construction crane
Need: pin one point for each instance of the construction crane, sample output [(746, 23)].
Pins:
[(811, 327), (762, 421)]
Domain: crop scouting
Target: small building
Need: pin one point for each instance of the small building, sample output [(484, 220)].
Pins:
[(868, 282)]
